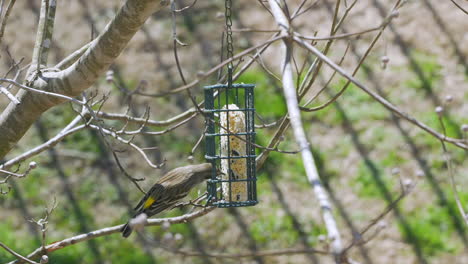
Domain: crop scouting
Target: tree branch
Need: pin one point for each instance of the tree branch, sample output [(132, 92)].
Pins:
[(69, 129), (262, 253), (299, 134), (114, 229), (378, 98), (15, 120)]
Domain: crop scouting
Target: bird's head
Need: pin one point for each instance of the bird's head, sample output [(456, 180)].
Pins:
[(202, 171)]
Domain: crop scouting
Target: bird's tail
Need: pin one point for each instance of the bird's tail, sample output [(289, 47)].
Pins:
[(126, 230)]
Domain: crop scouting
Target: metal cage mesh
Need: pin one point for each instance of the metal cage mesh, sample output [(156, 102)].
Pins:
[(230, 144)]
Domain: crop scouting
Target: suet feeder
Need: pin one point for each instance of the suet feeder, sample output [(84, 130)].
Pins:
[(230, 144), (230, 136)]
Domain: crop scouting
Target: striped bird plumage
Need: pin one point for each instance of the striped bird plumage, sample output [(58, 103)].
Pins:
[(169, 190)]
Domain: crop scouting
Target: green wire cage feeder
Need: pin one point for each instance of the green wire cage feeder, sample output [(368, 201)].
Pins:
[(230, 144), (230, 136)]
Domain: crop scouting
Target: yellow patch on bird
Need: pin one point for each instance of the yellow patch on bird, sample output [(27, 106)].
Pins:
[(148, 202)]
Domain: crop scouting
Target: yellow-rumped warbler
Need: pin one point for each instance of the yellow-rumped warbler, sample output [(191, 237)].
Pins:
[(169, 189)]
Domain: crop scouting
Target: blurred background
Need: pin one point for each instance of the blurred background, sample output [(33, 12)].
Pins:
[(362, 150)]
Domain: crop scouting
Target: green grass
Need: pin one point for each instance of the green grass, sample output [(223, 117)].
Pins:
[(393, 159), (366, 184), (432, 227)]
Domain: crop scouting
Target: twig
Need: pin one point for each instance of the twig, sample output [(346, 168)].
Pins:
[(204, 75), (154, 133), (376, 219), (127, 142), (342, 36), (325, 86), (261, 253), (319, 64), (262, 64), (186, 7), (176, 57), (32, 166), (49, 29), (42, 223), (450, 171), (343, 17), (199, 141), (15, 66), (16, 254), (380, 99), (274, 142), (19, 85), (298, 9), (5, 18), (296, 14), (356, 69), (136, 120), (37, 58), (255, 30), (459, 7), (70, 59)]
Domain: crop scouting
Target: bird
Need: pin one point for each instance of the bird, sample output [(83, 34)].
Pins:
[(168, 190)]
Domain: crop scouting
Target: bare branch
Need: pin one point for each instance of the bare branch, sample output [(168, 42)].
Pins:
[(68, 130), (136, 120), (186, 7), (448, 160), (32, 166), (116, 229), (299, 134), (16, 254), (380, 99), (213, 70), (345, 35), (261, 253), (299, 12), (127, 142), (325, 86), (70, 59), (404, 192), (40, 44), (10, 96), (459, 7), (5, 18), (31, 89)]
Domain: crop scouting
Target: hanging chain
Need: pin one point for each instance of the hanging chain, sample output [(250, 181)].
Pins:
[(230, 48)]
